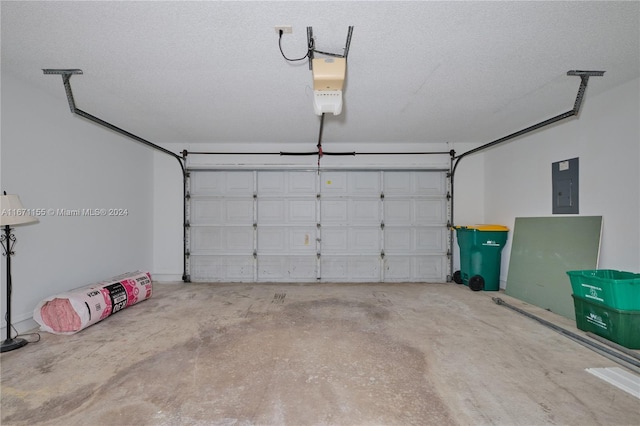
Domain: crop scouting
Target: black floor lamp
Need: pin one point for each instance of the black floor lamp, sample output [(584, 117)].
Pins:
[(11, 213)]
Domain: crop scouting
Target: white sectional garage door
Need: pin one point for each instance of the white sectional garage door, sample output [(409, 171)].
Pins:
[(305, 226)]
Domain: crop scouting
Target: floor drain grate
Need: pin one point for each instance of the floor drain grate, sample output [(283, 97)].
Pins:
[(279, 298)]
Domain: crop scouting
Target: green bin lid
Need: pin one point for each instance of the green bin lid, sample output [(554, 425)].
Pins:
[(499, 228)]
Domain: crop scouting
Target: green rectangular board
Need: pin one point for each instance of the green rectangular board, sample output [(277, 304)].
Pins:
[(543, 250)]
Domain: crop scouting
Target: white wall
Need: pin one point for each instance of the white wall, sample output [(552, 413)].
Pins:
[(168, 182), (53, 159), (167, 218), (606, 139)]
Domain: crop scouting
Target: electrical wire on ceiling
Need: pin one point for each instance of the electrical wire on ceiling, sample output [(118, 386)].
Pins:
[(310, 48)]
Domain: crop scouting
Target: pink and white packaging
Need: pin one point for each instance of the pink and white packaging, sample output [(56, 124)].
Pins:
[(75, 310)]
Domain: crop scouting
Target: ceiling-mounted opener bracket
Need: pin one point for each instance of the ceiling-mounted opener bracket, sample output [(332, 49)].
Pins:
[(312, 48), (66, 75), (584, 77)]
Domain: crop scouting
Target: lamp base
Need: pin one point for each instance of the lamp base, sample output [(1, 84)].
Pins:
[(11, 344)]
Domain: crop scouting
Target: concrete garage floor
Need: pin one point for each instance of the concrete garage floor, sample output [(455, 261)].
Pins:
[(346, 354)]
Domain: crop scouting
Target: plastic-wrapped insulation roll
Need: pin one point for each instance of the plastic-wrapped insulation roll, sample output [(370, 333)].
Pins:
[(75, 310)]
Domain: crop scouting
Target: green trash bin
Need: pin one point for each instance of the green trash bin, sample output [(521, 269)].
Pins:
[(480, 255)]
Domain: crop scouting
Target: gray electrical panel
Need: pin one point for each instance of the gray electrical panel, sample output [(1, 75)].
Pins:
[(564, 178)]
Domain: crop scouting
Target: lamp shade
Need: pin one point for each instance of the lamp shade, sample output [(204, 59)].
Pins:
[(12, 212)]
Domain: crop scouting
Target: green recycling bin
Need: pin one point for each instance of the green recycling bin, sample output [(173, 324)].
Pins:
[(480, 255)]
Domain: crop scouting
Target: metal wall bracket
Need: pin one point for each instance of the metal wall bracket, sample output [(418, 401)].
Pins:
[(455, 160), (66, 76), (584, 78)]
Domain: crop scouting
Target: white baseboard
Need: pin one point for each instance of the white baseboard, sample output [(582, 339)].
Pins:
[(22, 326)]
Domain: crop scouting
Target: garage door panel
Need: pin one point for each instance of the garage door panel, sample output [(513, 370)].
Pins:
[(281, 183), (339, 183), (365, 212), (209, 239), (334, 268), (430, 183), (271, 239), (271, 211), (430, 211), (398, 240), (223, 240), (350, 212), (239, 184), (365, 239), (334, 240), (350, 268), (334, 211), (344, 240), (398, 212), (302, 239), (283, 211), (333, 183), (271, 183), (287, 269), (221, 211), (229, 184), (239, 239), (207, 211), (364, 183), (207, 268), (303, 183), (397, 268), (415, 239), (415, 212), (238, 211), (431, 239), (414, 268), (397, 184), (240, 268), (401, 184), (277, 213), (364, 268), (286, 240), (271, 268), (431, 268), (210, 183), (302, 211), (222, 268)]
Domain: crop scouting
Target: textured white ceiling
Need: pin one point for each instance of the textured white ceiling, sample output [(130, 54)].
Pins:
[(418, 71)]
